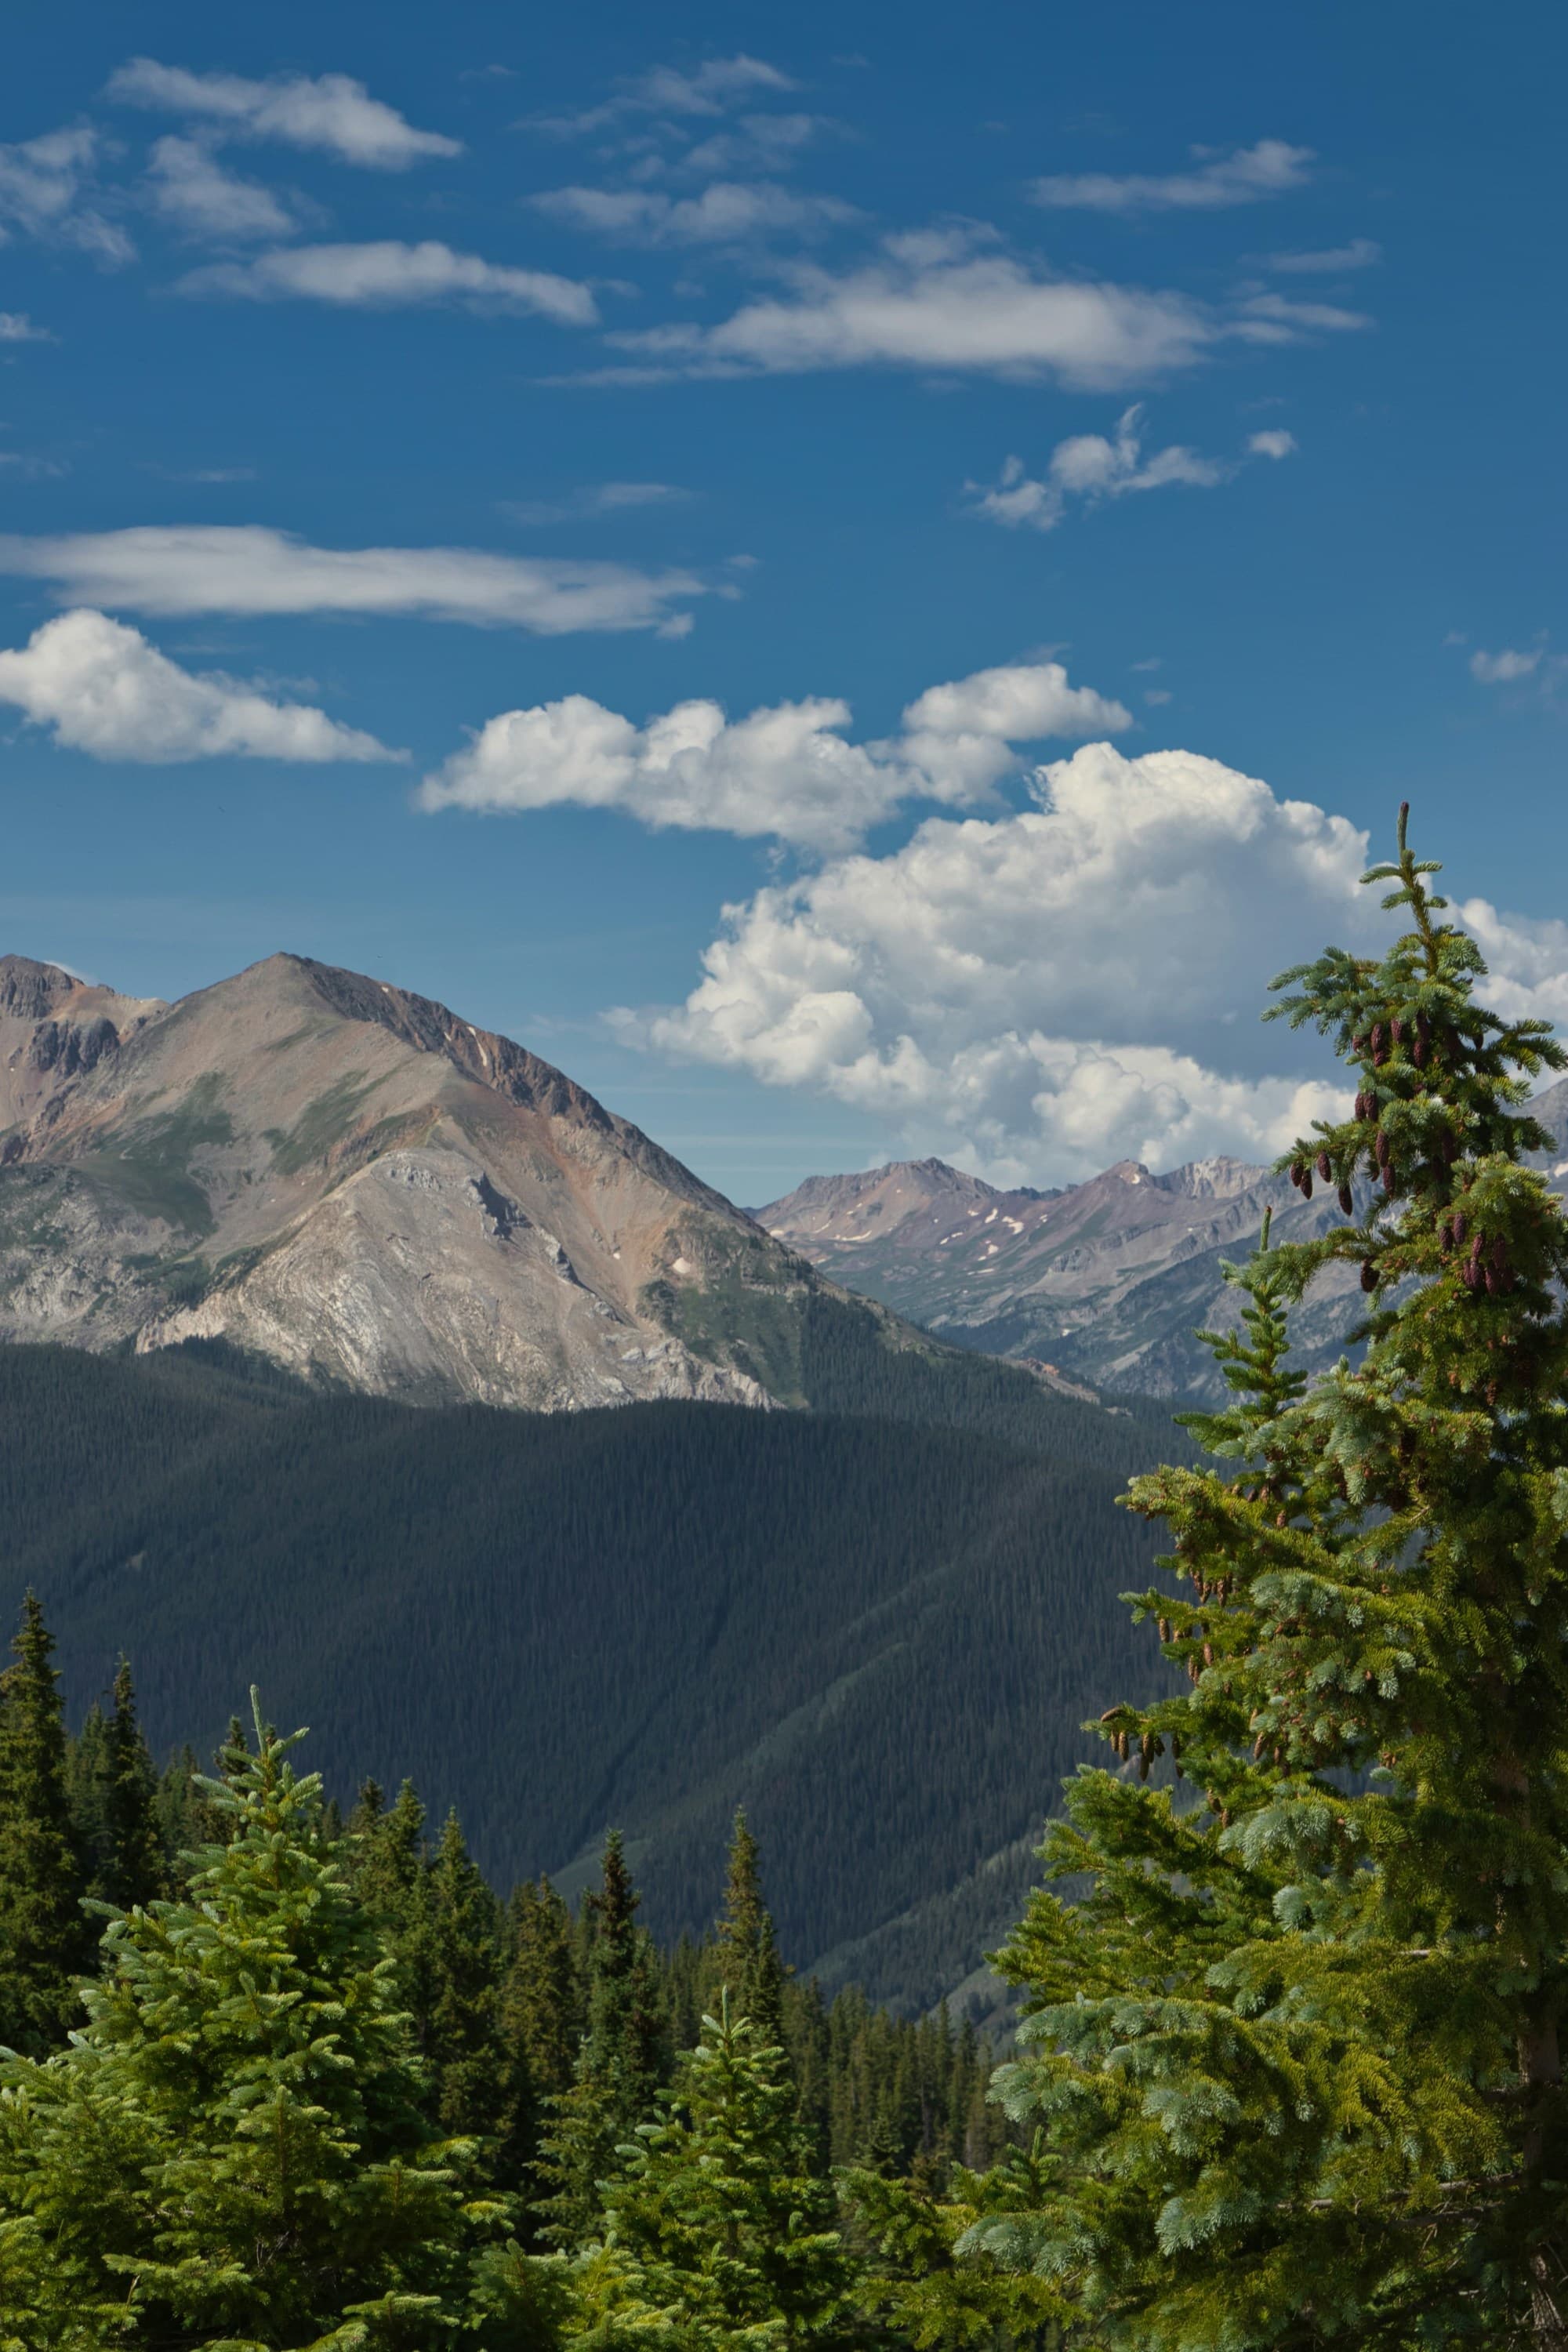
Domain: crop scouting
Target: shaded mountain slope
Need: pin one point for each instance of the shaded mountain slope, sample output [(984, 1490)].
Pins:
[(881, 1636)]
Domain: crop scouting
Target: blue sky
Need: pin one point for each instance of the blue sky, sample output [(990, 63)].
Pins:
[(1114, 450)]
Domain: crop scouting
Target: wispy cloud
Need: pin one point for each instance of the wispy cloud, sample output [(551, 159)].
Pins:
[(933, 301), (1090, 466), (1264, 318), (1332, 261), (710, 89), (389, 276), (16, 327), (329, 112), (595, 500), (1245, 176), (248, 569), (190, 190), (1506, 667), (46, 190), (757, 144), (729, 212), (102, 689)]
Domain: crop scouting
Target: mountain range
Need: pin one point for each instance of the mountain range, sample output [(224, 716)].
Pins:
[(1105, 1283)]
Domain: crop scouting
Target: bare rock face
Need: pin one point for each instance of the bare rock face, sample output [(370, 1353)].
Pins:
[(350, 1180), (1105, 1282)]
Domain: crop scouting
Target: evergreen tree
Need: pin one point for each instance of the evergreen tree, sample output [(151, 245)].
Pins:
[(133, 1867), (1297, 2050), (925, 2275), (461, 1973), (619, 2066), (231, 2149), (44, 1936), (746, 1953), (539, 2021), (715, 2225)]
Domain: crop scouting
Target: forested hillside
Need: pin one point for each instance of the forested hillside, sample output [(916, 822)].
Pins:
[(880, 1634)]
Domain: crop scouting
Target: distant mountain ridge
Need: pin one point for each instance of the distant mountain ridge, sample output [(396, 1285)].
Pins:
[(1105, 1282), (350, 1180)]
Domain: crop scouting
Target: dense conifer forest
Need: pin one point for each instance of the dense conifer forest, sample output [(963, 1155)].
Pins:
[(859, 1627)]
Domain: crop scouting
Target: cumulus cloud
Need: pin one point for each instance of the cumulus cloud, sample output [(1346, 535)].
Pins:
[(932, 301), (388, 276), (1245, 176), (1038, 994), (47, 192), (715, 86), (102, 689), (785, 771), (330, 112), (190, 190), (16, 327), (1090, 466), (1332, 261), (247, 567), (725, 214), (1276, 444)]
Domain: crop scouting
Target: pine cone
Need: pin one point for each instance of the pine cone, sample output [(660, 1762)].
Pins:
[(1380, 1148), (1368, 1275), (1388, 1178), (1324, 1170), (1347, 1205), (1396, 1029), (1307, 1185)]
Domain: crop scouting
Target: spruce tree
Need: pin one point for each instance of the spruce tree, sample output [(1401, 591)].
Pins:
[(231, 2149), (134, 1868), (44, 1934), (539, 2021), (461, 1974), (746, 1952), (620, 2063), (714, 2224), (1297, 2050)]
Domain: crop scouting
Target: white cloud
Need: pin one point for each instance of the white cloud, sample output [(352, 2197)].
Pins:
[(1090, 466), (1276, 443), (1273, 319), (330, 112), (594, 501), (1360, 253), (784, 772), (16, 327), (1043, 993), (103, 690), (715, 86), (1271, 168), (243, 569), (723, 214), (1506, 668), (1038, 994), (933, 303), (46, 187), (190, 190), (389, 276), (759, 143)]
